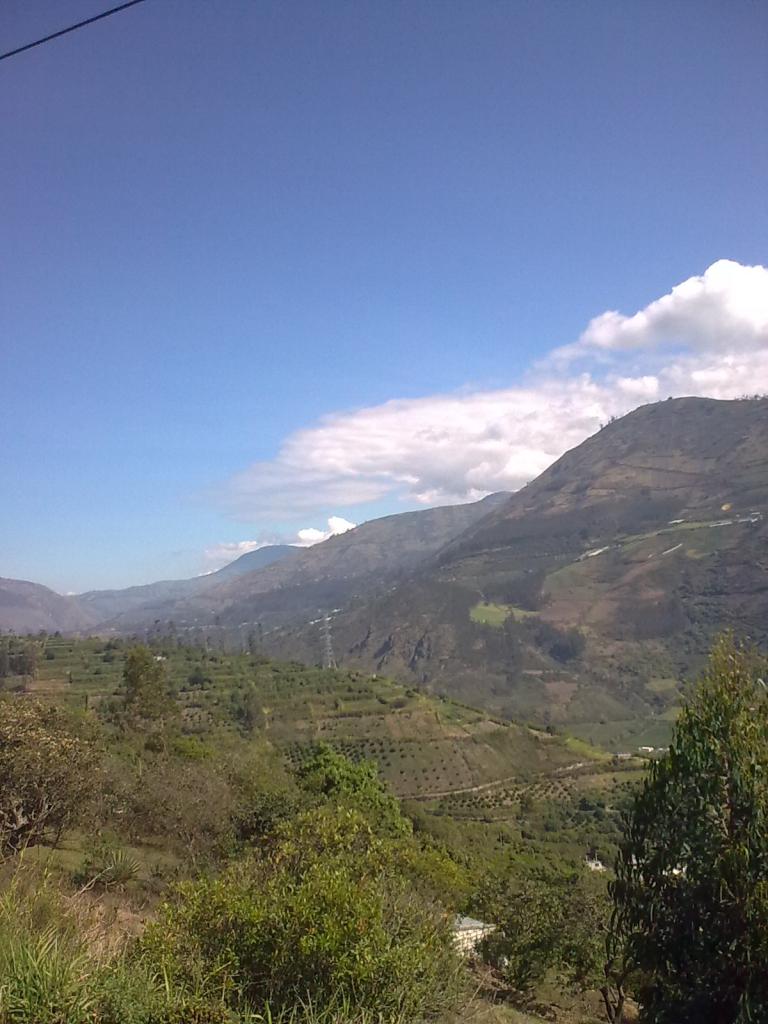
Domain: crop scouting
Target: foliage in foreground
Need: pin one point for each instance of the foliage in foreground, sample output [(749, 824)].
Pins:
[(333, 909), (58, 967), (46, 773), (691, 892), (326, 913)]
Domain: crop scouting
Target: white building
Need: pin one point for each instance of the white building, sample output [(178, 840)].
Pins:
[(468, 933)]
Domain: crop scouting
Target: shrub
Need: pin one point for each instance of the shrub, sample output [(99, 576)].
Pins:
[(329, 774), (107, 867), (326, 914), (47, 773)]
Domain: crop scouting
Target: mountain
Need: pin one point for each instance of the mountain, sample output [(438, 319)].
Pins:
[(586, 595), (582, 599), (299, 584), (29, 607), (278, 584), (151, 601), (253, 560)]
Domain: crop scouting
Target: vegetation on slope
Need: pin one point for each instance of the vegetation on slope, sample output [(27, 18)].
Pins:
[(205, 875), (611, 571)]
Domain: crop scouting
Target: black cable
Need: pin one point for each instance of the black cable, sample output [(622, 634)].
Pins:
[(63, 32)]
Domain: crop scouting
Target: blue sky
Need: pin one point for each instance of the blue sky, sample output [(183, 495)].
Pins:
[(266, 263)]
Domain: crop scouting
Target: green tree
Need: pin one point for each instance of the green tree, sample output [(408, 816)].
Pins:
[(47, 773), (552, 926), (691, 892), (331, 775), (147, 693)]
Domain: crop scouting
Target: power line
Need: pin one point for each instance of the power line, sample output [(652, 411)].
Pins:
[(64, 31)]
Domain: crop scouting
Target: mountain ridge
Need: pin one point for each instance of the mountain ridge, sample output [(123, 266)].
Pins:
[(585, 596), (301, 580), (579, 600)]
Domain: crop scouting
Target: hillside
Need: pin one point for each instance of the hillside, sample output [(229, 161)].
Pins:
[(297, 584), (150, 601), (585, 596), (425, 746), (28, 607), (188, 788), (580, 600)]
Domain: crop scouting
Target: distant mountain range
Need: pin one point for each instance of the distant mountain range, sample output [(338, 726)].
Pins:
[(273, 585), (581, 598), (138, 605), (29, 607)]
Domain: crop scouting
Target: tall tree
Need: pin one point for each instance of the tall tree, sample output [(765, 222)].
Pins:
[(691, 892), (147, 693)]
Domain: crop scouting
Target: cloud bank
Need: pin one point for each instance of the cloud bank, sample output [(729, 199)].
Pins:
[(708, 336)]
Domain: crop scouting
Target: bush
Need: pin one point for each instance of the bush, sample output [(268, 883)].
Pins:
[(47, 773), (188, 800), (325, 915), (54, 970), (106, 866), (329, 774), (549, 925)]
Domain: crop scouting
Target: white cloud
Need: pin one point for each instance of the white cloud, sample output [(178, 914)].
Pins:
[(708, 336), (219, 555), (309, 535), (724, 308)]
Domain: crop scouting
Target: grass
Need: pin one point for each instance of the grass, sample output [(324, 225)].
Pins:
[(55, 968), (489, 614), (663, 685), (584, 749)]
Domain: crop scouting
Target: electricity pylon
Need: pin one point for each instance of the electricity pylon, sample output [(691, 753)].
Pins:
[(329, 661)]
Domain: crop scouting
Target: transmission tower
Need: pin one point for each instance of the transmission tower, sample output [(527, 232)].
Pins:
[(329, 661)]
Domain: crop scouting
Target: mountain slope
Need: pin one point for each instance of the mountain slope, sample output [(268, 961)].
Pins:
[(151, 600), (359, 562), (253, 560), (585, 595), (424, 746), (273, 585), (28, 607)]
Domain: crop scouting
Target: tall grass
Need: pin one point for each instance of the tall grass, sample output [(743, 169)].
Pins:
[(343, 1013), (57, 966), (46, 978)]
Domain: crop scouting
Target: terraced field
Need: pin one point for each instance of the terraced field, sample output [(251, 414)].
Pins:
[(422, 744)]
